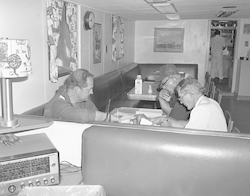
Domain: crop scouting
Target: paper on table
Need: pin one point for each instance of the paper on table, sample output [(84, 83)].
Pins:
[(145, 122), (151, 113)]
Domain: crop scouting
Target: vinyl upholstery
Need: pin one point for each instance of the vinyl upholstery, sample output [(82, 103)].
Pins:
[(139, 161)]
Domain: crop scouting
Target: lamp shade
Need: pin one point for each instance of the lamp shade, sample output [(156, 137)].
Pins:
[(14, 58)]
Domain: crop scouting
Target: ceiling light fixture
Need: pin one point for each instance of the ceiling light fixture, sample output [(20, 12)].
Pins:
[(225, 13), (156, 1), (173, 16), (164, 8)]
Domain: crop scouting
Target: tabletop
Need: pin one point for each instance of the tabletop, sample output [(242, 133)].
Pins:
[(146, 96)]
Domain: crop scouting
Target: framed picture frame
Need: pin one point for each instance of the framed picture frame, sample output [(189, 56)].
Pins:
[(97, 43), (246, 29), (168, 40)]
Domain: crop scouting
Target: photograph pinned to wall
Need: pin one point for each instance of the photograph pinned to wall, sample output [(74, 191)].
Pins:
[(97, 43), (168, 40)]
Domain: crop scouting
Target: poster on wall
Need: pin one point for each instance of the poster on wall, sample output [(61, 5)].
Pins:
[(97, 43), (168, 39)]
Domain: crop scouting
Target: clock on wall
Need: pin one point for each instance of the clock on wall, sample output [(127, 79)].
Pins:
[(89, 20)]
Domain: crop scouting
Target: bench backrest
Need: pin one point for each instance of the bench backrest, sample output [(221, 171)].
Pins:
[(138, 162), (190, 69), (107, 86)]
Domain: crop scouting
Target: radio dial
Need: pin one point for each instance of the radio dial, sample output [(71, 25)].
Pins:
[(38, 183), (22, 185), (30, 184), (52, 180), (45, 181), (12, 188)]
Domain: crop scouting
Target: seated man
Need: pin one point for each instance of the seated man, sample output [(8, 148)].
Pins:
[(167, 98), (72, 100), (206, 113)]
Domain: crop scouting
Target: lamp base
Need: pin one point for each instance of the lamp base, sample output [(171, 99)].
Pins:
[(13, 123)]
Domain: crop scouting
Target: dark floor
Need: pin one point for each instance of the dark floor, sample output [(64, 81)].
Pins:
[(239, 109)]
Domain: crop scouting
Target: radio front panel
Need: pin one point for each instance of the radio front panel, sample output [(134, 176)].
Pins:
[(39, 168)]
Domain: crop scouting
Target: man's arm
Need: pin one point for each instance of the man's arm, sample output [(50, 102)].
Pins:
[(177, 123)]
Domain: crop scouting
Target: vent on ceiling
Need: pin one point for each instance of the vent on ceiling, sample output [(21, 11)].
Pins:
[(225, 13)]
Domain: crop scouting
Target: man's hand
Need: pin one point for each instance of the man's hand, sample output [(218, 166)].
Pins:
[(9, 139), (158, 120), (165, 95)]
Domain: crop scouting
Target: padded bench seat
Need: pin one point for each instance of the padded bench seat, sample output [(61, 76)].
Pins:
[(115, 85)]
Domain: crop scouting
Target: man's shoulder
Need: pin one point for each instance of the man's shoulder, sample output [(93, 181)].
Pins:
[(204, 101)]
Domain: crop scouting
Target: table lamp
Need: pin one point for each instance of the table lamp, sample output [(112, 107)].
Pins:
[(14, 63)]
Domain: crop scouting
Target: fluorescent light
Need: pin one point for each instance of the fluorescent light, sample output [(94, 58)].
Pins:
[(155, 1), (165, 8), (173, 16), (161, 4), (225, 13)]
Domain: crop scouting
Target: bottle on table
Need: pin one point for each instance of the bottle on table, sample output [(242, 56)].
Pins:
[(150, 89), (138, 85)]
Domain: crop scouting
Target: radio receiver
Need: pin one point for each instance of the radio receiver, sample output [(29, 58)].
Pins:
[(32, 162)]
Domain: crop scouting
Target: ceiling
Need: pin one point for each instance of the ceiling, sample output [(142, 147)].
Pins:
[(187, 9)]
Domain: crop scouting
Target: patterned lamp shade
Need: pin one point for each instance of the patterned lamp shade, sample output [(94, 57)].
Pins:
[(14, 58)]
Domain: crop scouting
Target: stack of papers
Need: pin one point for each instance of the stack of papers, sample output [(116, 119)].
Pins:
[(149, 113)]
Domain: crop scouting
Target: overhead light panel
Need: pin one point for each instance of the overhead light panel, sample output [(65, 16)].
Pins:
[(164, 8), (156, 1), (173, 16), (225, 13)]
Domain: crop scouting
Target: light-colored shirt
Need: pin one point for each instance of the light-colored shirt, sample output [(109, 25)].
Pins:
[(207, 115), (217, 44)]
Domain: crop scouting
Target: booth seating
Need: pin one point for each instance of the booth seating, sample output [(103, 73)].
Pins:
[(145, 161), (115, 85)]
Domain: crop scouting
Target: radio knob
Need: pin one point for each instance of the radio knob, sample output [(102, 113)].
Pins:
[(45, 181), (38, 183), (52, 180), (12, 189), (22, 185), (30, 184)]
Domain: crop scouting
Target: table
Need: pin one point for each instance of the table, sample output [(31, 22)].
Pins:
[(145, 95), (127, 113), (153, 76), (159, 75)]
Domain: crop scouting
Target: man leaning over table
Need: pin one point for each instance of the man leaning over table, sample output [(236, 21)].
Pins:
[(206, 113), (72, 101), (168, 98)]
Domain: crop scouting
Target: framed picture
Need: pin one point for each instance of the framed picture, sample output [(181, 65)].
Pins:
[(97, 43), (246, 29), (168, 39)]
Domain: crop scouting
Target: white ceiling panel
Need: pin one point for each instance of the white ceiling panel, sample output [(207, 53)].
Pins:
[(187, 9)]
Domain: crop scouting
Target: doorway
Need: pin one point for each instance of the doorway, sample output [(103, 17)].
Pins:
[(227, 29)]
